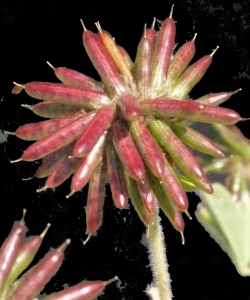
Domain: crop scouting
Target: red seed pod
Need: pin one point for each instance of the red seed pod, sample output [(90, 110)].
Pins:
[(162, 53), (62, 172), (103, 63), (86, 290), (127, 150), (151, 33), (9, 250), (56, 140), (165, 108), (96, 195), (34, 280), (196, 140), (115, 54), (215, 114), (182, 156), (142, 70), (51, 161), (193, 74), (76, 79), (37, 131), (130, 108), (48, 109), (179, 224), (60, 93), (180, 62), (113, 82), (25, 255), (116, 178), (216, 98), (98, 125), (146, 194), (87, 166), (173, 189), (148, 147)]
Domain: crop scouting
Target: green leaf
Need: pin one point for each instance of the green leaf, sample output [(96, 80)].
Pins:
[(228, 223)]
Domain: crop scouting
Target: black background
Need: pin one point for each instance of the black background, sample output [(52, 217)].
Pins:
[(34, 32)]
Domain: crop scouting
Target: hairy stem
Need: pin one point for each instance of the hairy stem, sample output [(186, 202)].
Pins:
[(161, 288)]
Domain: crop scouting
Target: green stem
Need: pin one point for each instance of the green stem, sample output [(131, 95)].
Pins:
[(161, 288)]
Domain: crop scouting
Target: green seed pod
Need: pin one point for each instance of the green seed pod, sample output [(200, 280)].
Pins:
[(135, 197)]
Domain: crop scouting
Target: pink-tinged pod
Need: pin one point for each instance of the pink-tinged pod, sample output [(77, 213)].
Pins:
[(9, 251), (25, 255), (146, 194), (127, 150), (179, 223), (60, 93), (93, 131), (86, 290), (96, 195), (215, 114), (193, 74), (76, 79), (37, 131), (216, 98), (62, 172), (103, 63), (126, 57), (34, 280), (89, 163), (48, 109), (56, 140), (115, 54), (182, 156), (163, 50), (196, 140), (51, 161), (151, 33), (165, 108), (148, 148), (137, 201), (142, 67), (116, 178), (113, 82), (173, 189), (129, 107), (180, 62), (166, 205)]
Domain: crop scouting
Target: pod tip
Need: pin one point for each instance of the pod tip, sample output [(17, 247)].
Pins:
[(213, 51), (171, 12), (84, 28), (98, 25), (193, 39), (153, 23), (64, 245), (52, 67), (16, 160), (110, 280), (87, 239), (236, 91), (182, 238), (42, 189), (70, 194), (45, 230)]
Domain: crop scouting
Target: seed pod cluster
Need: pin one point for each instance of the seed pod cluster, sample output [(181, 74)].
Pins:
[(16, 254), (132, 130)]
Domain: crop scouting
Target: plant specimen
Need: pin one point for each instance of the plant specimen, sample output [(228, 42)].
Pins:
[(131, 115)]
